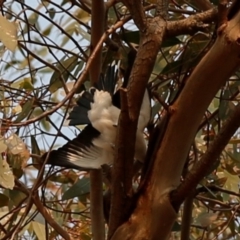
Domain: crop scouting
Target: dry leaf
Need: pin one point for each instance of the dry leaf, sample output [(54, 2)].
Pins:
[(8, 33), (6, 175)]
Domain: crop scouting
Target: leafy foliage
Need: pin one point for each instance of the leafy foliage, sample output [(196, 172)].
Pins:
[(41, 59)]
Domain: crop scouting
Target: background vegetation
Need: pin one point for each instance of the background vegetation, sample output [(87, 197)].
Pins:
[(187, 53)]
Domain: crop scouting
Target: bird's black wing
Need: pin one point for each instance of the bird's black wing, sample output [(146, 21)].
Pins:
[(79, 153), (79, 114)]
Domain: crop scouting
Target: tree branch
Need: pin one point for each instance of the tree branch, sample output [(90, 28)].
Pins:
[(222, 12), (122, 170), (202, 85), (162, 8), (80, 80), (36, 200), (136, 10), (198, 91), (48, 217), (187, 217), (208, 159), (152, 32), (96, 181), (96, 205), (97, 30), (191, 24)]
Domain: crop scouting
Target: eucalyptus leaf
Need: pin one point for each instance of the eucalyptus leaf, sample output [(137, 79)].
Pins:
[(81, 187), (26, 109), (62, 74), (3, 200), (8, 33), (35, 149)]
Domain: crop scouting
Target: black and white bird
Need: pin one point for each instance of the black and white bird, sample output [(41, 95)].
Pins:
[(99, 109)]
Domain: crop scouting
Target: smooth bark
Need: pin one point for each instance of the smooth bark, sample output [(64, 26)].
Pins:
[(154, 214), (96, 181)]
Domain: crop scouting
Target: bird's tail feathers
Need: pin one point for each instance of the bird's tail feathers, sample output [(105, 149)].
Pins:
[(106, 83), (80, 153)]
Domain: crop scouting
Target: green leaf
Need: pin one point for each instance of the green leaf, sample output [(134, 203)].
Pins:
[(16, 215), (131, 36), (82, 32), (171, 42), (232, 182), (112, 18), (4, 200), (59, 179), (81, 187), (78, 69), (39, 230), (134, 37), (27, 84), (225, 107), (190, 56), (176, 227), (206, 218), (232, 225), (17, 172), (16, 196), (64, 69), (32, 20), (84, 236), (172, 67), (70, 177), (46, 125), (52, 12), (35, 149), (46, 32), (155, 110), (83, 15), (26, 109)]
